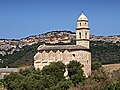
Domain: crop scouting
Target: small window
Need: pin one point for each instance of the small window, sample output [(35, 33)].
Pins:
[(80, 34), (87, 61), (85, 23), (85, 35), (80, 24)]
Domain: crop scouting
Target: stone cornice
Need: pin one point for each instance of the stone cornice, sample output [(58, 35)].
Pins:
[(62, 50), (82, 39), (82, 28), (82, 20)]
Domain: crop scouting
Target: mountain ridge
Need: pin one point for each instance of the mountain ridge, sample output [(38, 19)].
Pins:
[(8, 46)]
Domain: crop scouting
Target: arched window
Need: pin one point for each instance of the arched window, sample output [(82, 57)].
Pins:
[(80, 34), (85, 35), (85, 23)]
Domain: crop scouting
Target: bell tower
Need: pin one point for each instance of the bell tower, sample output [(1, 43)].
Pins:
[(83, 32)]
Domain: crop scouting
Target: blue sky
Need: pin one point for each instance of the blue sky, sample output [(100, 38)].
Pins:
[(21, 18)]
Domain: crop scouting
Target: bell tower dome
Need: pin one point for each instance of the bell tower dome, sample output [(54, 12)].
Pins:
[(83, 31)]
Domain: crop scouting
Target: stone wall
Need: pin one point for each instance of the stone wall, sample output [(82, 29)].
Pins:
[(46, 57)]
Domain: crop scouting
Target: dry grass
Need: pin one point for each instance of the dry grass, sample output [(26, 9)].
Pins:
[(111, 67)]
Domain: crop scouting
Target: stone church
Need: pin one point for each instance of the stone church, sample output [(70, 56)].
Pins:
[(66, 53)]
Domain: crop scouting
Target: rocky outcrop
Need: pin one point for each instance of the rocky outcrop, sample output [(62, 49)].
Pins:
[(50, 37), (113, 39), (9, 46)]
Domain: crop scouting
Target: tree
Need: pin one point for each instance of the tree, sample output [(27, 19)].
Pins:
[(31, 79), (62, 85), (75, 72), (55, 69), (13, 81), (53, 74), (96, 65), (51, 77), (28, 71)]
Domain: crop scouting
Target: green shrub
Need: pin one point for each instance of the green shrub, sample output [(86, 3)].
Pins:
[(96, 65)]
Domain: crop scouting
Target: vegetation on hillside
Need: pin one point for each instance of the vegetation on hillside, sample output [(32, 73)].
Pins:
[(60, 32), (104, 52), (51, 77), (100, 80), (22, 58)]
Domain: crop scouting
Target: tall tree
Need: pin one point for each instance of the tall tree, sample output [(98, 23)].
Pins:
[(75, 72)]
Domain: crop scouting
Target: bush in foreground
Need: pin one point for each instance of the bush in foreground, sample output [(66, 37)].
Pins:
[(51, 77)]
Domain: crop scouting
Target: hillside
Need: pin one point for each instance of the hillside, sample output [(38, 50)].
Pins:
[(111, 67), (15, 53), (105, 52), (8, 46), (22, 58)]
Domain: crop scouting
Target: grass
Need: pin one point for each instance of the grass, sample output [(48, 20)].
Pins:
[(111, 67)]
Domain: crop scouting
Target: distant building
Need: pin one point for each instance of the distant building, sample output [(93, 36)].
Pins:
[(6, 71), (66, 53)]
